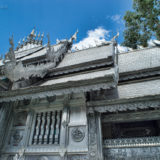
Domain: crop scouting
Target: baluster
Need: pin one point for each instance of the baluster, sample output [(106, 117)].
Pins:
[(42, 127), (47, 128), (57, 127), (52, 128), (38, 120)]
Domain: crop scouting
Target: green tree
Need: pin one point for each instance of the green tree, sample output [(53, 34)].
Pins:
[(142, 23)]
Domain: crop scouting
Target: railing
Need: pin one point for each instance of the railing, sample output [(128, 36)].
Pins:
[(132, 142)]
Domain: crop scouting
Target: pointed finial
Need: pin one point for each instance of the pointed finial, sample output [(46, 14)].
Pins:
[(42, 35), (39, 35), (28, 38), (11, 41), (32, 32), (19, 42), (23, 39), (48, 40), (38, 38), (41, 41), (35, 34)]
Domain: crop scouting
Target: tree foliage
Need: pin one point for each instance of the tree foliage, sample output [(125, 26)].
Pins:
[(142, 23)]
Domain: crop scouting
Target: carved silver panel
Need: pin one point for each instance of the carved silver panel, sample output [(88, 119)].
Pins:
[(16, 138), (78, 134)]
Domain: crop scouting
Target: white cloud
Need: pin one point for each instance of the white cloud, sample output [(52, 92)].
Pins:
[(94, 38), (115, 18), (123, 49), (152, 43)]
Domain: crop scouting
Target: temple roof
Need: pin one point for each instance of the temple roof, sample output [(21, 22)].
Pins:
[(87, 55), (139, 60), (55, 66)]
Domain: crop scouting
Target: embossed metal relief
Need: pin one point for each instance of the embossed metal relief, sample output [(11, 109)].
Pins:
[(20, 119), (17, 132), (92, 136), (16, 137), (77, 134)]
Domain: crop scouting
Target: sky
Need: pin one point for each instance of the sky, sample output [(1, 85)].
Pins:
[(95, 20)]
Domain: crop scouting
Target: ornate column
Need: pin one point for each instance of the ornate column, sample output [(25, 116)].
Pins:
[(5, 112), (94, 136)]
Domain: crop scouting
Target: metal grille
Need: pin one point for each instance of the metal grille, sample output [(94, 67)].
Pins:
[(47, 128)]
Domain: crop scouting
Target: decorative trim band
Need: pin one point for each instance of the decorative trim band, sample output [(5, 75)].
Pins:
[(132, 142), (82, 68), (60, 92), (140, 74), (128, 106)]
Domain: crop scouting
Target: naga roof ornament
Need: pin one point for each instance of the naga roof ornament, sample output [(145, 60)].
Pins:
[(14, 68)]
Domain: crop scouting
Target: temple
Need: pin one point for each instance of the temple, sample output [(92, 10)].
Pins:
[(91, 104)]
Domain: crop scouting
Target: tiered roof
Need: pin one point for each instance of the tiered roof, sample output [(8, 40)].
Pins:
[(47, 70)]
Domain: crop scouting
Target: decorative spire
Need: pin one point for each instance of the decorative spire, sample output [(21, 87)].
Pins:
[(32, 38), (32, 32), (19, 42), (41, 40), (42, 35), (48, 44), (38, 38), (39, 35), (23, 40), (10, 55), (11, 42)]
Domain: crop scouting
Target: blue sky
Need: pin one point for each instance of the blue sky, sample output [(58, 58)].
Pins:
[(60, 18)]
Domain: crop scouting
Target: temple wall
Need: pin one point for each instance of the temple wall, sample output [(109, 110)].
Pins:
[(29, 134)]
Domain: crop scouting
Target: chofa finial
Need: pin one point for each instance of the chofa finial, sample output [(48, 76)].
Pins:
[(115, 37), (74, 37)]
